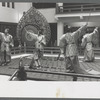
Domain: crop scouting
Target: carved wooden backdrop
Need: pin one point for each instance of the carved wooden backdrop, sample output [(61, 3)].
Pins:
[(32, 21)]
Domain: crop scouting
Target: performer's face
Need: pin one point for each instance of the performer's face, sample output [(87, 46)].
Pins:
[(6, 30), (87, 30), (69, 30), (39, 32)]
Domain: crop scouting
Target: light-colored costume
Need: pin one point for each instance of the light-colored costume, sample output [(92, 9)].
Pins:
[(39, 46), (1, 53), (87, 43), (69, 48), (7, 43)]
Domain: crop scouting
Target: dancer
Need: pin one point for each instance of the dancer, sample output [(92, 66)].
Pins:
[(39, 46), (1, 53), (6, 45), (69, 49), (87, 44)]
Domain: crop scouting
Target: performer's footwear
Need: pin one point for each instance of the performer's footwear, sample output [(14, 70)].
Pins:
[(5, 63), (70, 71), (8, 62), (31, 67), (38, 67), (69, 68)]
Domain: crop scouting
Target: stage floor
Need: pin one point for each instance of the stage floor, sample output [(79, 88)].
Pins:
[(49, 64)]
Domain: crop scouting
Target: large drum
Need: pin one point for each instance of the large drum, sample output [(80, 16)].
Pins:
[(29, 24)]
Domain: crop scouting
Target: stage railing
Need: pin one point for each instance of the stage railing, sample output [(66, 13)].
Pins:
[(77, 8), (47, 50)]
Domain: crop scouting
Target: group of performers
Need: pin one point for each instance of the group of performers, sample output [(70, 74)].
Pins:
[(7, 44), (69, 49)]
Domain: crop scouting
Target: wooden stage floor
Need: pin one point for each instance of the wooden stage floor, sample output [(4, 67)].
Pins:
[(52, 65)]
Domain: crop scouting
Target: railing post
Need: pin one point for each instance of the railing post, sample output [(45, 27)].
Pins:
[(24, 47), (94, 8), (51, 52), (14, 51), (20, 50)]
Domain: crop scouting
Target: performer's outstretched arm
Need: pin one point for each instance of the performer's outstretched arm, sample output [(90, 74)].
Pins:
[(77, 34), (95, 31), (62, 44), (1, 35), (94, 36), (12, 42), (43, 41), (84, 41)]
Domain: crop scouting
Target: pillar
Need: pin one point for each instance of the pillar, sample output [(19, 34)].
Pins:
[(60, 31)]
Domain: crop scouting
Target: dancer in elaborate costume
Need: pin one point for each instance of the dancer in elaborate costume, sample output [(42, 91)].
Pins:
[(39, 46), (1, 53), (87, 43), (69, 49), (6, 45)]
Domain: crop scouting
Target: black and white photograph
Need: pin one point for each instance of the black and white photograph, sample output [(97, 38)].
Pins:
[(49, 49), (49, 41)]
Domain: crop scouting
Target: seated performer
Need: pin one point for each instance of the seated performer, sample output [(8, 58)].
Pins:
[(39, 46), (6, 45), (21, 74), (68, 48), (87, 44)]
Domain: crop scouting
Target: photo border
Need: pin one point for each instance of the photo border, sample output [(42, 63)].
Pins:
[(50, 1)]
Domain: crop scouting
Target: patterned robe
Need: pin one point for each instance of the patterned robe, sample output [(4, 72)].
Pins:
[(39, 46), (1, 53), (40, 42), (69, 48), (7, 42), (87, 43)]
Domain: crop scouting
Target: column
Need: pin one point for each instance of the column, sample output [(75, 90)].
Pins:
[(60, 31)]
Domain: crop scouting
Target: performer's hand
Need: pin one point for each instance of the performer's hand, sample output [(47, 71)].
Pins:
[(96, 28), (86, 24), (12, 45)]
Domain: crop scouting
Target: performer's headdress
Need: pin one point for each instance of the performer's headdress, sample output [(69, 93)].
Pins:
[(7, 29), (41, 31), (69, 28)]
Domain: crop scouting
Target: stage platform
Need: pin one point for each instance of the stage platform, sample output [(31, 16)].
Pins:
[(50, 64)]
